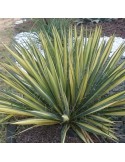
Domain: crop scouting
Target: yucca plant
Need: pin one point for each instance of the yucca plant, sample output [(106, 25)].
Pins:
[(46, 25), (68, 85)]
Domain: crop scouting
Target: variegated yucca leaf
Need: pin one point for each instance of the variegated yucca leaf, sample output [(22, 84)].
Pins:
[(68, 85)]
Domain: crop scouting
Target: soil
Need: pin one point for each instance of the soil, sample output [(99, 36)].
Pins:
[(25, 26), (51, 134), (45, 134)]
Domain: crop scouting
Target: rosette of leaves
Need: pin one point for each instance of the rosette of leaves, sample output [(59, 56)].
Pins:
[(68, 85)]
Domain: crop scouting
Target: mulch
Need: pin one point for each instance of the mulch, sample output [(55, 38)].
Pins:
[(117, 27), (45, 134), (52, 134)]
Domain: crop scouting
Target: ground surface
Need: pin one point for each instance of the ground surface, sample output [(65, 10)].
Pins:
[(7, 32), (116, 27)]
